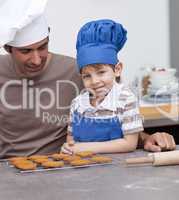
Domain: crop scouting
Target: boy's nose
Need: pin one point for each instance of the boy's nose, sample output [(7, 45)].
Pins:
[(94, 80)]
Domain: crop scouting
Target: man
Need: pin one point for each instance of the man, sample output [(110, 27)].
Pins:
[(36, 89)]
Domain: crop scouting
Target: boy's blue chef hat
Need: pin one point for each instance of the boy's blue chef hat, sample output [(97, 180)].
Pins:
[(99, 42)]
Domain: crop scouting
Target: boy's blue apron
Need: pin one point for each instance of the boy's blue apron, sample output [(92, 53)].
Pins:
[(85, 129)]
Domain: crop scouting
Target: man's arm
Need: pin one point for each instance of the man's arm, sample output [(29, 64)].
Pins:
[(159, 141)]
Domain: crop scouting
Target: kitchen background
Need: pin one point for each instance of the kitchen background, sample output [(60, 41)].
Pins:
[(152, 42), (174, 33), (152, 31)]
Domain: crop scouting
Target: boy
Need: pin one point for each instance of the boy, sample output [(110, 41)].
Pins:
[(105, 118)]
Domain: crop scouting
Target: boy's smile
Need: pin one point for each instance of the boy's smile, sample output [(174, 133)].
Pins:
[(99, 78)]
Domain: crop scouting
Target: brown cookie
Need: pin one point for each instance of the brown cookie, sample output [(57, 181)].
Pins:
[(85, 154), (25, 165), (34, 157), (70, 158), (80, 162), (40, 160), (59, 156), (101, 159), (53, 164), (16, 159)]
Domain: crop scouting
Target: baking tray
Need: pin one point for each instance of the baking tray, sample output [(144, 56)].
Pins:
[(3, 160), (60, 168), (67, 166)]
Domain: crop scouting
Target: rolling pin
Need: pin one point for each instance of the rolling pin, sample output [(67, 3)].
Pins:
[(156, 159)]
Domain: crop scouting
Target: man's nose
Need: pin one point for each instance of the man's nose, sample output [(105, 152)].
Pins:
[(36, 59)]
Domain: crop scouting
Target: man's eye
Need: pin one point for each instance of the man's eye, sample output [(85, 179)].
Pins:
[(24, 51), (42, 47)]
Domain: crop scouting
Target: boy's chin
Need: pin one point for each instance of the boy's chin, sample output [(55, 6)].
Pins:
[(100, 96)]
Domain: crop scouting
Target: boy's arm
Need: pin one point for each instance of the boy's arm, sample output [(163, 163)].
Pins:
[(126, 144), (159, 141), (69, 138)]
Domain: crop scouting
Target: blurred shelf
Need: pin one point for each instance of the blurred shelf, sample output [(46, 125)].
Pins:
[(160, 115)]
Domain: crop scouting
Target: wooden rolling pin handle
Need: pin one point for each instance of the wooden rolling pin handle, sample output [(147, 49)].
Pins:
[(139, 160), (166, 158)]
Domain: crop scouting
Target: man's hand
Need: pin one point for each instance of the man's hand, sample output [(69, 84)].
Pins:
[(159, 141)]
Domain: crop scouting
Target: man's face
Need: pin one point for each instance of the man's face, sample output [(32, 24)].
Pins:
[(30, 60)]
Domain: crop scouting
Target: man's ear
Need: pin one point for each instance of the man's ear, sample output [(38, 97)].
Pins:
[(8, 48), (118, 69)]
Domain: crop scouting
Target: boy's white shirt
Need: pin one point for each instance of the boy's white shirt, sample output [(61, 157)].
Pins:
[(111, 102)]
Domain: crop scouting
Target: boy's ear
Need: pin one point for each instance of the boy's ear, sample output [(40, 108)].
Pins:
[(8, 48), (118, 69)]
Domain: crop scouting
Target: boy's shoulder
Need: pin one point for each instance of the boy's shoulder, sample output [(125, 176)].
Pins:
[(125, 92), (80, 99), (81, 95), (123, 89)]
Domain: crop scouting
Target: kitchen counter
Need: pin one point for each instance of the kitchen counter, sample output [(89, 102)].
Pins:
[(114, 182), (160, 114)]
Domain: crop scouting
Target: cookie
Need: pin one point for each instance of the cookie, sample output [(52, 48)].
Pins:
[(101, 159), (80, 162), (25, 165), (53, 164), (85, 154), (34, 157)]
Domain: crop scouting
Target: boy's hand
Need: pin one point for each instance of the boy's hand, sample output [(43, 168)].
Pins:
[(71, 143), (67, 148)]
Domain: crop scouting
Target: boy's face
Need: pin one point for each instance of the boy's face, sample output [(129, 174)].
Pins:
[(30, 60), (99, 79)]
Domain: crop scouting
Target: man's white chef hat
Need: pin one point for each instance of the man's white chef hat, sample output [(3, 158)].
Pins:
[(22, 22)]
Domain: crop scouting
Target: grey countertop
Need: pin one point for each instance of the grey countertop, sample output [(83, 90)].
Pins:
[(107, 182)]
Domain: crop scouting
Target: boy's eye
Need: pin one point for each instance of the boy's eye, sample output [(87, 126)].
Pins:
[(101, 72), (85, 76)]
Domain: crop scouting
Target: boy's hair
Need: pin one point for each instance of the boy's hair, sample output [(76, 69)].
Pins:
[(100, 65)]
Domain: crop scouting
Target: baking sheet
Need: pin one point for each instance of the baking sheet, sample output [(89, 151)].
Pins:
[(61, 168), (3, 160), (67, 166)]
